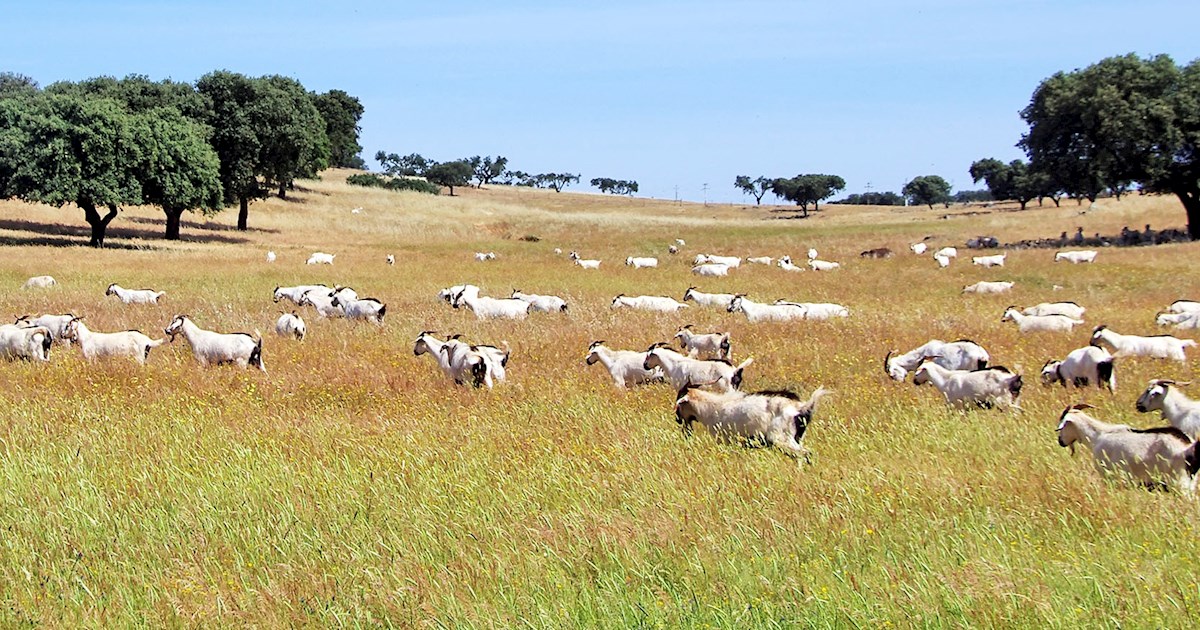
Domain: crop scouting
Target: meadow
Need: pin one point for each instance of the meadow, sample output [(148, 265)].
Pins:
[(354, 485)]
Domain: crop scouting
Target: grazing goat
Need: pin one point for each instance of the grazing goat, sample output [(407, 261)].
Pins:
[(39, 282), (585, 264), (1154, 458), (97, 345), (671, 249), (484, 256), (343, 293), (785, 264), (641, 263), (1179, 320), (1184, 306), (818, 310), (295, 294), (732, 262), (1082, 367), (760, 260), (492, 308), (270, 257), (812, 254), (477, 362), (822, 265), (1181, 412), (758, 312), (1158, 346), (290, 325), (661, 304), (711, 270), (680, 242), (946, 252), (322, 300), (240, 349), (448, 293), (918, 248), (134, 296), (320, 258), (369, 309), (767, 418), (721, 300), (988, 287), (391, 259), (878, 252), (30, 343), (704, 345), (56, 324), (963, 354), (682, 370), (542, 303), (1039, 323), (1069, 309), (624, 366), (1076, 257), (988, 387), (942, 261), (989, 261)]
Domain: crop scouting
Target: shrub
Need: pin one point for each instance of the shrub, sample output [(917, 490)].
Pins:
[(371, 180)]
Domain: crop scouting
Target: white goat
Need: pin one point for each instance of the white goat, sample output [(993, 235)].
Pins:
[(320, 258), (1039, 323), (712, 259), (760, 260), (391, 259), (988, 287), (947, 252), (1184, 306), (1181, 412), (758, 312), (97, 345), (988, 387), (1082, 367), (485, 256), (240, 349), (819, 310), (641, 263), (39, 282), (768, 418), (1179, 320), (822, 265), (1158, 346), (657, 303), (448, 293), (918, 248), (134, 296), (587, 264), (322, 300), (290, 325), (963, 354), (56, 324), (1076, 257), (812, 254), (680, 242), (942, 261), (492, 308), (369, 309), (343, 293), (703, 345), (1070, 309), (711, 270), (1154, 458), (785, 264), (624, 366), (542, 303), (270, 257), (294, 294), (30, 343), (721, 300), (682, 370), (427, 343), (989, 261), (671, 249)]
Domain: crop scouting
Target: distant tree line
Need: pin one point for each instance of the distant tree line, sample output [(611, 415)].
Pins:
[(801, 190), (104, 143), (460, 172)]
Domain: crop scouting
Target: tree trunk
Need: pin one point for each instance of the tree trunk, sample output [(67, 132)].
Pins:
[(173, 217), (282, 190), (1191, 204), (99, 224), (243, 212)]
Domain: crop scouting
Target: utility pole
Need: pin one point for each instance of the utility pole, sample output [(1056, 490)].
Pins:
[(705, 188), (676, 194)]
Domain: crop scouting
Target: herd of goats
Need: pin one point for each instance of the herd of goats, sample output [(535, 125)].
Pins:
[(707, 382)]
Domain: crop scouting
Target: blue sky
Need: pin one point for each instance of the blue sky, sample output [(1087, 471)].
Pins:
[(667, 93)]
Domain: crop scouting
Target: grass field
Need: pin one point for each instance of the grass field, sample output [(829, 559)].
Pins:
[(354, 485)]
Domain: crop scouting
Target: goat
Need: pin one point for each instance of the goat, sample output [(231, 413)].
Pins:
[(1158, 346), (542, 303), (680, 242), (711, 270), (878, 252), (822, 265), (39, 282), (661, 304), (947, 252), (1082, 367), (760, 260), (290, 325), (1076, 257), (706, 346), (769, 418), (721, 300), (732, 262), (758, 312), (587, 264), (989, 261), (320, 258), (988, 387), (295, 294), (29, 343), (1179, 320), (818, 310), (1069, 309), (391, 259), (942, 261), (470, 360), (209, 347), (427, 343), (322, 300), (1039, 323), (681, 370), (641, 263), (624, 366), (270, 257), (988, 287), (448, 293), (369, 309), (56, 324), (134, 296), (96, 345), (1181, 412), (1154, 458), (785, 264), (963, 354), (671, 249), (1184, 306), (812, 254), (492, 308), (343, 293), (484, 256), (918, 248)]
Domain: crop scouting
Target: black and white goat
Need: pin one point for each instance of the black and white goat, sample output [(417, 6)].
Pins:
[(963, 354), (98, 345), (769, 418), (209, 347), (1154, 458), (1181, 412), (1082, 367), (624, 366), (681, 369), (988, 387), (703, 345)]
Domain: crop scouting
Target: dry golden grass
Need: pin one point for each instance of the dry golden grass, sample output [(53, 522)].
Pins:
[(355, 486)]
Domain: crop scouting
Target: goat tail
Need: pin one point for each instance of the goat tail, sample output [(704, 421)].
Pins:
[(154, 343), (726, 349), (1014, 386), (1189, 343), (744, 364), (256, 354)]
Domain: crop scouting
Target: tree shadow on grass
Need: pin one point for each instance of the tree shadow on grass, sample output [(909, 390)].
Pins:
[(63, 235), (203, 227)]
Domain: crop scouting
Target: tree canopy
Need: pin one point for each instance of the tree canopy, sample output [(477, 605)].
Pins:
[(756, 187), (411, 165), (341, 113), (927, 190), (450, 174), (615, 186), (805, 189), (487, 168), (1015, 180)]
